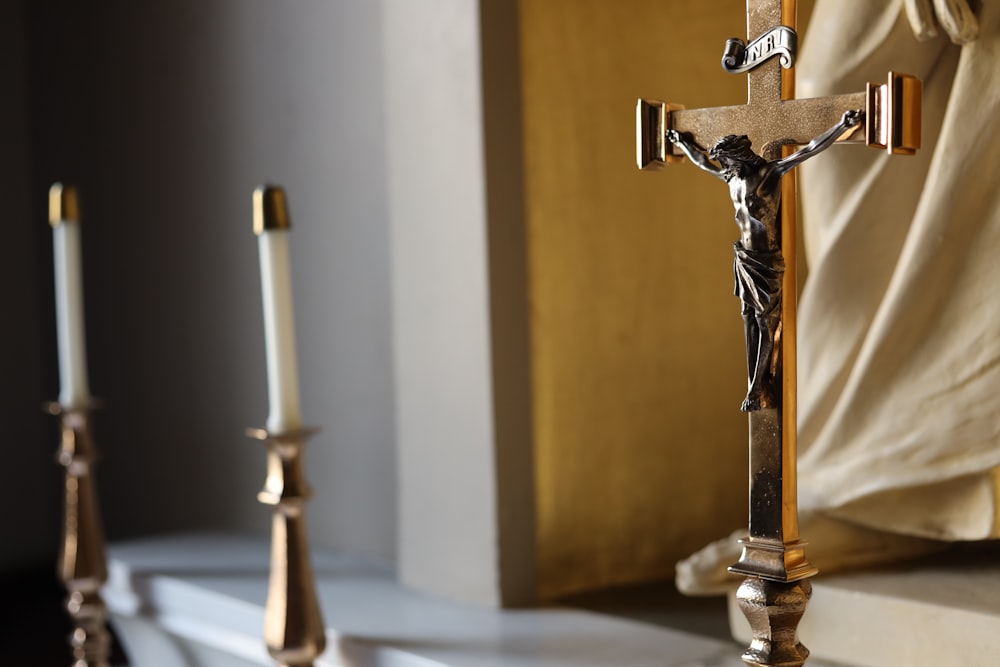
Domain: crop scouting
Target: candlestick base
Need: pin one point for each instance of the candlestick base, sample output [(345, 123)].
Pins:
[(293, 625), (774, 610), (82, 563)]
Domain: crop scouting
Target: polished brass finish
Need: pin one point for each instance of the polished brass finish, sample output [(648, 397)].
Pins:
[(64, 204), (82, 563), (650, 130), (787, 440), (270, 209), (894, 114), (774, 611), (773, 549), (651, 126), (293, 624)]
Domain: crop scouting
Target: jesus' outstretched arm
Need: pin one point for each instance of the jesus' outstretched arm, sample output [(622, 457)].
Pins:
[(848, 121), (694, 153)]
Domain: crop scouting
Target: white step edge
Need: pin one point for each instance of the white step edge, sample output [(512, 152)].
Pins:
[(198, 601)]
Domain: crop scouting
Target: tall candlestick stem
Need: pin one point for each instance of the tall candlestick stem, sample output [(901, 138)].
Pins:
[(82, 563), (293, 624)]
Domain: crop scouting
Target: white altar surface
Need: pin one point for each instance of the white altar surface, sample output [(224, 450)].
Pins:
[(197, 601)]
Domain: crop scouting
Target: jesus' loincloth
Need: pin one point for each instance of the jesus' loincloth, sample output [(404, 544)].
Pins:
[(758, 279)]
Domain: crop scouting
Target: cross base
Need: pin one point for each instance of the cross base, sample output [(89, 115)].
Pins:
[(774, 611), (773, 560)]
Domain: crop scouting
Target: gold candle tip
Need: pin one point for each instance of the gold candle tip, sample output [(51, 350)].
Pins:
[(64, 204), (270, 209)]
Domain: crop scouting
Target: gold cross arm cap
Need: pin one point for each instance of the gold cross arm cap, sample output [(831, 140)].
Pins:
[(64, 204), (270, 209)]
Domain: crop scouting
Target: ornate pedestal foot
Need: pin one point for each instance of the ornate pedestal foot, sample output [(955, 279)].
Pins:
[(82, 565), (90, 641), (774, 610), (293, 626)]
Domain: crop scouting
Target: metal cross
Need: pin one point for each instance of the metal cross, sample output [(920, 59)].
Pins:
[(773, 555)]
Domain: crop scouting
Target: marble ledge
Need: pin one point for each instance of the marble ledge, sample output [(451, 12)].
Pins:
[(198, 601)]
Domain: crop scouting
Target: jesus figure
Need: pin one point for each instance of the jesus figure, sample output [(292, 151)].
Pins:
[(755, 188)]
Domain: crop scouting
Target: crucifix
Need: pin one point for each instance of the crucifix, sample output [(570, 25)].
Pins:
[(886, 116)]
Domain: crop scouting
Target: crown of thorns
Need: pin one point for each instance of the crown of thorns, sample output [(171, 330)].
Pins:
[(731, 146)]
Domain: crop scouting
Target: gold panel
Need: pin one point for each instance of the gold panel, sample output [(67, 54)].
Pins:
[(637, 342)]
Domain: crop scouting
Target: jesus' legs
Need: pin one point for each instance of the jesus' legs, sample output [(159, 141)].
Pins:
[(755, 342), (761, 394)]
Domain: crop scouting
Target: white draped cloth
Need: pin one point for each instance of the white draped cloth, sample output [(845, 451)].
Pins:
[(899, 321)]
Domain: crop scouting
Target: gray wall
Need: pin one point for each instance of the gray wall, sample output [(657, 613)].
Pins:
[(167, 115), (29, 490)]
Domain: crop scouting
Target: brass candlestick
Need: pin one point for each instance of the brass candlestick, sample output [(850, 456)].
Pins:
[(293, 625), (82, 564)]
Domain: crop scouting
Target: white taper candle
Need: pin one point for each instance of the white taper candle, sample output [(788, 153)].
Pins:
[(271, 224), (64, 216)]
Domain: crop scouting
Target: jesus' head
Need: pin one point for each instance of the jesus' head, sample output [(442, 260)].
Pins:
[(734, 150)]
